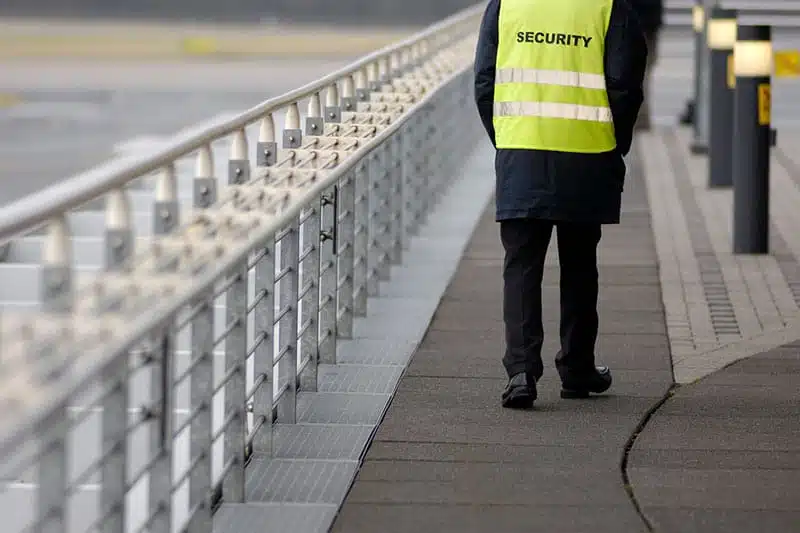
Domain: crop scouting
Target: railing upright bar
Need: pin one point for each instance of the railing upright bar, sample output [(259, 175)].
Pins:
[(345, 236), (236, 346), (201, 355)]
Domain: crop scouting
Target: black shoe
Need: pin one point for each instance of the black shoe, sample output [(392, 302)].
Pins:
[(579, 385), (520, 392)]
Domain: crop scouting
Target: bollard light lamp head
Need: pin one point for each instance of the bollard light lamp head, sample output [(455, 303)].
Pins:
[(752, 54), (698, 18), (721, 29)]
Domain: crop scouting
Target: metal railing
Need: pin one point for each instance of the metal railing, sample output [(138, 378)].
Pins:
[(168, 367)]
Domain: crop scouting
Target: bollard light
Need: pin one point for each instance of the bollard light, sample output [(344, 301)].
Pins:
[(752, 139), (721, 38)]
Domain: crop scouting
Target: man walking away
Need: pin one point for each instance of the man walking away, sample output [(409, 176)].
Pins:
[(558, 85), (651, 18)]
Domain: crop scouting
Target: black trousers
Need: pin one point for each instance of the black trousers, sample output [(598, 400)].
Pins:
[(525, 242)]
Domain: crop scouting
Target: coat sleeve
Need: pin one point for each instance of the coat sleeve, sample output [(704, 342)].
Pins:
[(485, 59), (625, 63)]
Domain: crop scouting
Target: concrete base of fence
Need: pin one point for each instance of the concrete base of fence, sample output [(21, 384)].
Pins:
[(31, 39)]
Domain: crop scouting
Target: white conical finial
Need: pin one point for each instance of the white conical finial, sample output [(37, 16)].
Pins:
[(314, 106), (332, 96), (118, 211), (361, 79), (292, 118), (372, 71), (57, 250), (266, 132), (348, 87), (166, 185), (239, 146), (205, 163)]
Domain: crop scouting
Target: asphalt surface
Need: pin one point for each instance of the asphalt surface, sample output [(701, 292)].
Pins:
[(72, 116)]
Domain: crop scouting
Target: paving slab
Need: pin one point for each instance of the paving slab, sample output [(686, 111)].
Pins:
[(448, 458)]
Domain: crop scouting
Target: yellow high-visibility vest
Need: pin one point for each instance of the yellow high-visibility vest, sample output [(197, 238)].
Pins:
[(550, 90)]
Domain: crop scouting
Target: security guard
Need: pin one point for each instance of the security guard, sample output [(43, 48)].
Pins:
[(558, 85)]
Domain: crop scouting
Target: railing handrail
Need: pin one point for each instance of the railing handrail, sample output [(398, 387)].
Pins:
[(31, 212)]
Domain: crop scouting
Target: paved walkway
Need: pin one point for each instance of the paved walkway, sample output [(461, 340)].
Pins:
[(718, 452), (448, 458)]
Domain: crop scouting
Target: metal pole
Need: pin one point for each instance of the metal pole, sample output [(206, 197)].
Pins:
[(698, 23), (753, 138), (721, 36), (699, 144)]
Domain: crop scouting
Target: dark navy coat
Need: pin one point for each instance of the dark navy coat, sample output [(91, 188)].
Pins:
[(564, 186)]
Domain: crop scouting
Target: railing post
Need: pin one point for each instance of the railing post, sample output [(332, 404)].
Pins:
[(119, 233), (202, 375), (328, 304), (342, 228), (374, 252), (721, 38), (312, 242), (119, 241), (161, 428), (166, 210), (264, 312), (752, 140), (236, 346), (57, 267), (345, 235), (361, 239), (289, 271), (51, 474)]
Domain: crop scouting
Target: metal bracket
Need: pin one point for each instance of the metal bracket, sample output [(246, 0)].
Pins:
[(349, 103), (292, 138), (238, 171), (267, 154), (333, 115), (773, 137), (314, 126), (362, 94), (119, 245), (205, 192), (56, 289), (165, 217)]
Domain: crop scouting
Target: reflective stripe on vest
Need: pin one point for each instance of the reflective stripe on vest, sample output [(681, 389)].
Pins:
[(550, 77), (552, 110), (550, 91)]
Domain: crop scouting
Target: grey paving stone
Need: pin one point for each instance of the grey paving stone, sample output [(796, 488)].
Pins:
[(478, 425), (718, 488), (398, 518), (712, 433), (461, 316), (728, 401), (489, 365), (723, 520), (713, 459), (487, 484), (553, 455)]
